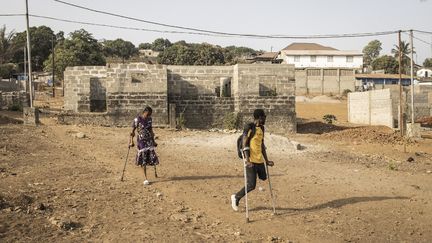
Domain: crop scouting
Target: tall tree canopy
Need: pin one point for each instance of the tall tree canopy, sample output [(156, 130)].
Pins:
[(371, 51), (7, 46), (427, 63), (79, 49), (120, 48), (387, 63), (41, 40), (405, 51)]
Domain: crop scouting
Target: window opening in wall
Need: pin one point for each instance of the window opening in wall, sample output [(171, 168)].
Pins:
[(329, 58), (313, 58), (330, 72), (313, 72), (346, 72), (349, 59), (267, 85), (97, 95), (296, 58)]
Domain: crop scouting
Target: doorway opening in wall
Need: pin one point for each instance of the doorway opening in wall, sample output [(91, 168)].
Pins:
[(225, 87), (98, 101)]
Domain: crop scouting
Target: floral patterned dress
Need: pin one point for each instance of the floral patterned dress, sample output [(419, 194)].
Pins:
[(146, 154)]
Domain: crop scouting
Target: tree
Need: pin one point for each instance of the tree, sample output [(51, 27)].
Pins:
[(427, 63), (387, 63), (145, 46), (371, 51), (209, 55), (78, 50), (160, 44), (177, 55), (405, 50), (120, 48), (7, 46), (41, 45)]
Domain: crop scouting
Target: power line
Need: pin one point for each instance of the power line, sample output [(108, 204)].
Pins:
[(424, 32), (331, 36), (122, 27), (328, 36), (11, 15)]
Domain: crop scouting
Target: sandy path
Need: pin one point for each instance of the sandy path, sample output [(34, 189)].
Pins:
[(321, 196)]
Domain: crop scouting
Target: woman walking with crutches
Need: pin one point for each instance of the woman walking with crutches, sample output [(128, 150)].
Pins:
[(254, 156), (146, 154)]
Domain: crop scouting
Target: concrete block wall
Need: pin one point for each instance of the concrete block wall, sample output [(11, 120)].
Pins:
[(77, 86), (9, 99), (132, 87), (9, 85), (324, 81), (194, 91), (190, 82), (280, 109), (371, 108)]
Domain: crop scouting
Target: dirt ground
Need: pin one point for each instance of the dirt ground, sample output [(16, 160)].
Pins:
[(347, 184)]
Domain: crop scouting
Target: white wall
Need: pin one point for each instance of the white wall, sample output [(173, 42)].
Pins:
[(371, 108), (322, 62)]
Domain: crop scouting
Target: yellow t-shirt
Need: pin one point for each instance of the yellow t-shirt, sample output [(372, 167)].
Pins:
[(255, 146)]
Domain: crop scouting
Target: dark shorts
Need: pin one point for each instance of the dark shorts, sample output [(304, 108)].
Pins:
[(260, 170)]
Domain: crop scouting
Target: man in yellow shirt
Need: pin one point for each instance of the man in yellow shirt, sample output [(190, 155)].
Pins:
[(255, 155)]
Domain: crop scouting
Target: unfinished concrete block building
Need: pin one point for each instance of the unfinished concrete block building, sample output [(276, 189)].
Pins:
[(202, 95)]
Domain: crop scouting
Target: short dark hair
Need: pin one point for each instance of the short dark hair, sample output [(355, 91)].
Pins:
[(258, 113), (148, 109)]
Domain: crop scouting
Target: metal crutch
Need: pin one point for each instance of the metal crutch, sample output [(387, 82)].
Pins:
[(270, 187), (124, 167)]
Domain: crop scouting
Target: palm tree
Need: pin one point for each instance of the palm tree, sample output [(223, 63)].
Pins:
[(405, 50), (7, 47)]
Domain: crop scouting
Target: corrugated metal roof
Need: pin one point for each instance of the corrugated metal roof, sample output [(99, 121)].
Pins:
[(381, 75)]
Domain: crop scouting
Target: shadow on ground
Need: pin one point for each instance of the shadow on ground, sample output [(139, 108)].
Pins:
[(318, 128), (338, 203)]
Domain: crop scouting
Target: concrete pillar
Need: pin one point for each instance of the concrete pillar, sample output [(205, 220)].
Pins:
[(322, 81), (31, 116)]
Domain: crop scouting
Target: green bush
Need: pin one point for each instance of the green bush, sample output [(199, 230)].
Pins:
[(230, 121), (345, 92), (15, 107), (181, 121), (6, 70), (329, 118)]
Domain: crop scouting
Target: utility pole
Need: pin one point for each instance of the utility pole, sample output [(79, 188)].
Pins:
[(53, 70), (412, 77), (25, 71), (400, 85), (29, 57)]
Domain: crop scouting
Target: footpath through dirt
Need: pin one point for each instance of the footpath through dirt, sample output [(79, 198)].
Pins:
[(61, 183)]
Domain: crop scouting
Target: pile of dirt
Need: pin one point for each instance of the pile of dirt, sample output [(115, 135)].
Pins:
[(425, 121), (318, 128), (372, 134)]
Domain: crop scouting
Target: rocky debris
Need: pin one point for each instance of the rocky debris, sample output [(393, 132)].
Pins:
[(80, 135), (63, 224), (429, 172), (159, 195), (180, 217), (297, 145), (410, 159), (261, 189)]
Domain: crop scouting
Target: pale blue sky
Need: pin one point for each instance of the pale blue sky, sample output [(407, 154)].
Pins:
[(305, 17)]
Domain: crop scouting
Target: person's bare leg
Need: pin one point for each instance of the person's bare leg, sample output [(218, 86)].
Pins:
[(156, 175), (145, 172)]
